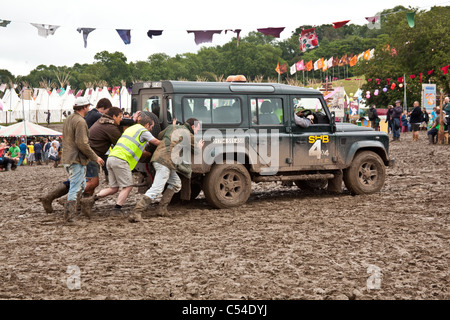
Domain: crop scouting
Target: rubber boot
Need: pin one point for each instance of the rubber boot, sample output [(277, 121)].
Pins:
[(69, 211), (430, 139), (86, 205), (47, 200), (164, 202), (141, 206)]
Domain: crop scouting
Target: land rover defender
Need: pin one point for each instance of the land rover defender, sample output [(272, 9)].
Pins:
[(250, 136)]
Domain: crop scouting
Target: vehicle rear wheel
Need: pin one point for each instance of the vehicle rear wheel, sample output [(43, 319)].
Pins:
[(311, 184), (227, 185), (366, 174)]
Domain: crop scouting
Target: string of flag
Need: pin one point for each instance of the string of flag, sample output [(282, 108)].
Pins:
[(308, 38)]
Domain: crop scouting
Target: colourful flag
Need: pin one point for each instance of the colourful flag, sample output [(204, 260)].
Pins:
[(308, 40), (367, 54), (320, 63), (353, 61), (330, 62), (445, 69), (283, 68), (309, 65), (293, 69), (300, 65), (339, 24), (277, 69)]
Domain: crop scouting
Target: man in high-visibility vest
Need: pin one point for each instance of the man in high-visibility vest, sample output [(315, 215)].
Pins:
[(123, 158), (176, 141)]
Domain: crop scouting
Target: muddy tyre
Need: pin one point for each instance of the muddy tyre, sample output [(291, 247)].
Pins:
[(366, 174), (227, 185)]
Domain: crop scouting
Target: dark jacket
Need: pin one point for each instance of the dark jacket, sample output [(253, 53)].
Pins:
[(92, 116), (416, 115), (103, 134), (374, 114), (397, 112)]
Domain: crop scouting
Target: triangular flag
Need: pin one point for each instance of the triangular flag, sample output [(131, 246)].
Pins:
[(412, 76), (85, 32), (125, 35), (339, 24), (430, 72), (374, 22), (410, 19), (445, 69), (4, 23)]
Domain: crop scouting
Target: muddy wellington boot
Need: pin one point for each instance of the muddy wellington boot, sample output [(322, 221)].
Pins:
[(47, 200), (70, 210), (161, 210), (86, 205), (141, 206)]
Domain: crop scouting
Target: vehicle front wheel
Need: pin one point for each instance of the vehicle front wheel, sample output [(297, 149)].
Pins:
[(227, 185), (366, 174)]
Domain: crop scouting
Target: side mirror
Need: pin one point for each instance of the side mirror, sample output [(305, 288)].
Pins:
[(333, 122)]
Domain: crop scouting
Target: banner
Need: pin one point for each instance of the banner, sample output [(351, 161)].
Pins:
[(429, 96)]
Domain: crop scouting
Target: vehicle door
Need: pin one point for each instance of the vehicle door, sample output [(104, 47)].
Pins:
[(313, 147), (269, 138)]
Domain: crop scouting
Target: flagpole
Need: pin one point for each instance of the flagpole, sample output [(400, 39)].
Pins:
[(404, 92)]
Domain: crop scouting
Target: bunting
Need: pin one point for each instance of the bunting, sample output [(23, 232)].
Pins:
[(337, 25), (45, 30), (308, 40), (125, 35)]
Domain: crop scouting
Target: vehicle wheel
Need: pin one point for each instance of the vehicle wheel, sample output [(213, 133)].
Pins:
[(227, 185), (366, 174), (311, 184)]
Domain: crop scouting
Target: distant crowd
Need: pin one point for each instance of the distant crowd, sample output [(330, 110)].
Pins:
[(399, 120), (29, 151)]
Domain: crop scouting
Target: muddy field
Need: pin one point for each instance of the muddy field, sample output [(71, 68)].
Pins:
[(283, 244)]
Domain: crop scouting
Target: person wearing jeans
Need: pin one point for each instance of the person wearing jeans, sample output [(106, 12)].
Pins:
[(77, 154), (396, 114)]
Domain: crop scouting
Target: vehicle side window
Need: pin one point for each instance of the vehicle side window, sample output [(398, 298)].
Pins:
[(213, 110), (267, 111), (314, 107)]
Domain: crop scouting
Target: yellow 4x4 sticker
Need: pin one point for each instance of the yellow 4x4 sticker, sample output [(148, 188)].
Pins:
[(323, 138), (316, 148)]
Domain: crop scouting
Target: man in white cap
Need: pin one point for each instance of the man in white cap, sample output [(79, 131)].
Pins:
[(77, 153)]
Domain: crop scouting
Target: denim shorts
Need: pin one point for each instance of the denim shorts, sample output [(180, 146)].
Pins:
[(92, 169)]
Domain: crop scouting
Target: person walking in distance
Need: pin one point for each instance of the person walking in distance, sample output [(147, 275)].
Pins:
[(77, 153), (416, 119), (396, 114)]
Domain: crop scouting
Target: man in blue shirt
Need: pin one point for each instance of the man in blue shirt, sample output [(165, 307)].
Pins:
[(23, 151)]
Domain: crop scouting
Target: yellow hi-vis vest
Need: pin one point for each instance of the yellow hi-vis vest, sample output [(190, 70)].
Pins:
[(129, 147)]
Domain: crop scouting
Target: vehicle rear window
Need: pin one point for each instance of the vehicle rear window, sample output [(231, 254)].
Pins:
[(212, 110)]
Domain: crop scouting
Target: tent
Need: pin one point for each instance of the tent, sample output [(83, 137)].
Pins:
[(26, 128)]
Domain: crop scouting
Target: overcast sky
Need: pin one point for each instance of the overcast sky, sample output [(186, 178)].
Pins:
[(22, 50)]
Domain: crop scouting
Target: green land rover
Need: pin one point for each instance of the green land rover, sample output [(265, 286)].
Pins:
[(250, 136)]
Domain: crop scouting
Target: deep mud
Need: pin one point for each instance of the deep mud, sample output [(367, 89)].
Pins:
[(283, 244)]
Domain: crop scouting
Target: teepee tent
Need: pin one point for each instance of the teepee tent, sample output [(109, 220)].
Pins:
[(27, 128)]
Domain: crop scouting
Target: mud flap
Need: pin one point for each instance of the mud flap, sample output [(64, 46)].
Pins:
[(335, 184), (185, 192)]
